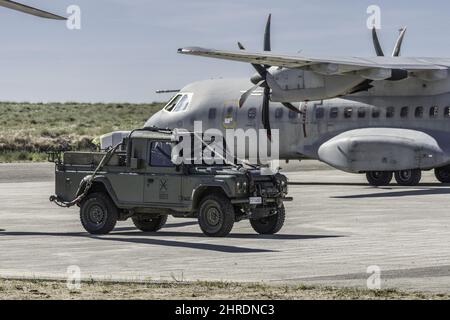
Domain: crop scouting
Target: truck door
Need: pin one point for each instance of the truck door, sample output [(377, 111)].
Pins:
[(162, 182)]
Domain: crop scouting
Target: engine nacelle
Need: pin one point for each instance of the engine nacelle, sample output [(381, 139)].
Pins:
[(294, 85)]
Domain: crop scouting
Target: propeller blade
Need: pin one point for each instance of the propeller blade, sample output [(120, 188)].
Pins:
[(267, 44), (248, 93), (259, 68), (291, 107), (376, 43), (266, 112), (398, 45), (29, 10)]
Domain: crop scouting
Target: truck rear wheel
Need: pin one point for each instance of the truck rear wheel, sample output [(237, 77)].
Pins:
[(149, 224), (98, 213), (216, 216), (271, 224)]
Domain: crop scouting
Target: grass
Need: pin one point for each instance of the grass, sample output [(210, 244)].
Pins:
[(28, 130), (104, 290)]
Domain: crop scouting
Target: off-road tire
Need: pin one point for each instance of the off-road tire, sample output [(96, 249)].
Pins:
[(443, 174), (379, 178), (150, 224), (216, 216), (98, 213), (271, 224), (408, 178)]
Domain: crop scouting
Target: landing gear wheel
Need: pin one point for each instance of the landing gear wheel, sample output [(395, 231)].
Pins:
[(149, 224), (271, 224), (408, 178), (98, 213), (379, 178), (216, 216), (443, 174)]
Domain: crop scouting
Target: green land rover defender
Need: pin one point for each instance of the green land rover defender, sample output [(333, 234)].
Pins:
[(137, 179)]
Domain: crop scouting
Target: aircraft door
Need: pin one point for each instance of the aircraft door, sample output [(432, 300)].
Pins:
[(230, 115), (318, 123)]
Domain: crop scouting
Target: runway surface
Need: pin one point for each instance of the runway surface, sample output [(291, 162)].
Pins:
[(336, 228)]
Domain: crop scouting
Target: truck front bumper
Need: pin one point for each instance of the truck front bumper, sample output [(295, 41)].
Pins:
[(263, 200)]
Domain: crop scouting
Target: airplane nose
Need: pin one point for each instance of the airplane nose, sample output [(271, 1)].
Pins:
[(154, 121)]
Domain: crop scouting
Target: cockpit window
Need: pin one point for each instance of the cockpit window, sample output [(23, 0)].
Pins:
[(179, 103)]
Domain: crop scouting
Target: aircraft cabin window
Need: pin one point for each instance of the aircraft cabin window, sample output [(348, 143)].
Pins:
[(447, 112), (419, 112), (334, 113), (434, 112), (404, 112), (361, 113), (293, 115), (212, 114), (390, 112), (279, 113), (320, 113), (252, 113), (348, 112), (375, 113), (179, 103)]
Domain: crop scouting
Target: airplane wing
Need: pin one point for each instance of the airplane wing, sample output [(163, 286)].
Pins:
[(29, 10), (327, 65)]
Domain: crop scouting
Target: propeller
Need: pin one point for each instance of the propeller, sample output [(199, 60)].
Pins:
[(260, 80), (29, 10), (398, 44), (397, 74)]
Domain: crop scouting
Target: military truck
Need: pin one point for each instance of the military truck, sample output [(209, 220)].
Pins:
[(137, 179)]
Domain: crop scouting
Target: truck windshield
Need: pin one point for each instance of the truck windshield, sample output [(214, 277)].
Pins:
[(161, 154)]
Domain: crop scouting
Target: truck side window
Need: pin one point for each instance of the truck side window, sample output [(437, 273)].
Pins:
[(161, 154)]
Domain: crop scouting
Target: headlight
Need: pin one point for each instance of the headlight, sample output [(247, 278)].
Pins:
[(241, 186)]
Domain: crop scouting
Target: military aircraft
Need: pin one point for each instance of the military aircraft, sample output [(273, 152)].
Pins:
[(382, 116), (29, 10)]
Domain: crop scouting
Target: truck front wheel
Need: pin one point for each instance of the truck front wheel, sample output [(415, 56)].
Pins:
[(149, 224), (271, 224), (98, 214), (216, 216)]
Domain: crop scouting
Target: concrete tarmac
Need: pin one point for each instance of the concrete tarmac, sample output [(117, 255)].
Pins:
[(336, 228)]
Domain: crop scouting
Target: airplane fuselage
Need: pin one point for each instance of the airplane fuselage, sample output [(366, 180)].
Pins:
[(357, 133)]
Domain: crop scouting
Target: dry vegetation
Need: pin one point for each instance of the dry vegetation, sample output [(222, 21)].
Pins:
[(39, 289), (27, 130)]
